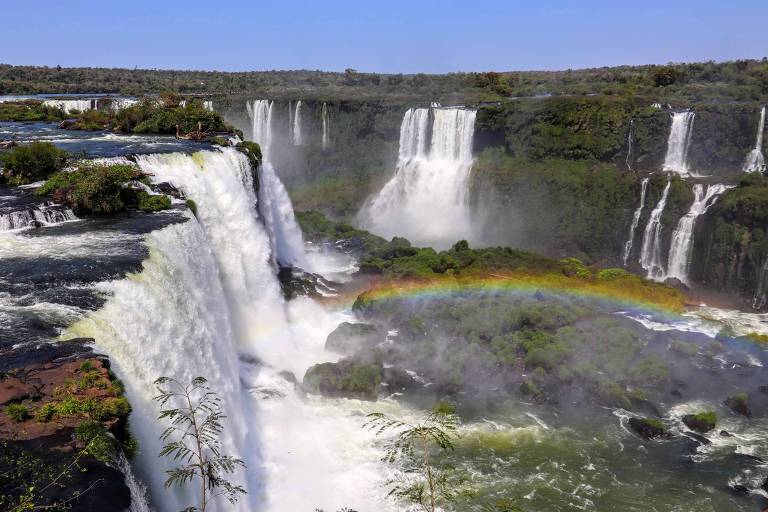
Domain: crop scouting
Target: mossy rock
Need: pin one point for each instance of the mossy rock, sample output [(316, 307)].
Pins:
[(530, 390), (347, 378), (649, 428), (701, 422), (738, 404), (348, 338)]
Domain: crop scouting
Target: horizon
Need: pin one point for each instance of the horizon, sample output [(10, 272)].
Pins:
[(431, 37)]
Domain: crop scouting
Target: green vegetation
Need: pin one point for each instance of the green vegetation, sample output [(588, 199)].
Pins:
[(29, 110), (97, 441), (32, 162), (99, 410), (17, 412), (194, 413), (192, 206), (94, 188), (252, 151), (346, 378), (150, 117), (701, 422)]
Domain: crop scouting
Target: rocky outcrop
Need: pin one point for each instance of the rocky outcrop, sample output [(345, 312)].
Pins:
[(701, 422), (349, 338), (648, 428)]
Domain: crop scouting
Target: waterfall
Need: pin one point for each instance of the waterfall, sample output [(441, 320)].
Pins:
[(207, 303), (682, 238), (635, 222), (71, 105), (121, 103), (760, 299), (274, 203), (208, 105), (650, 253), (35, 217), (325, 126), (290, 121), (297, 137), (630, 144), (679, 142), (426, 200), (755, 161)]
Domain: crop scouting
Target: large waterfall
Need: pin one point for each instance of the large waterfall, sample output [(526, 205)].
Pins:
[(298, 139), (274, 203), (682, 238), (650, 253), (207, 303), (426, 201), (324, 115), (635, 222), (755, 161), (678, 142)]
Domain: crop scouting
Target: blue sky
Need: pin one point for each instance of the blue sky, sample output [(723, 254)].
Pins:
[(392, 36)]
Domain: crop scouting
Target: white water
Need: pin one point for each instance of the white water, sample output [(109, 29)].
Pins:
[(121, 103), (630, 144), (682, 238), (71, 105), (755, 161), (35, 216), (650, 253), (208, 105), (635, 222), (426, 201), (274, 203), (326, 140), (679, 142), (297, 138)]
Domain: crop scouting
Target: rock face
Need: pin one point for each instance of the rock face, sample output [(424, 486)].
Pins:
[(60, 403), (349, 338), (647, 427)]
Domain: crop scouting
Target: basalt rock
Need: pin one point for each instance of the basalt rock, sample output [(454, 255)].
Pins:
[(702, 422), (648, 428)]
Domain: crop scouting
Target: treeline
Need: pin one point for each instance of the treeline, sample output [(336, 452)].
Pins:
[(738, 80)]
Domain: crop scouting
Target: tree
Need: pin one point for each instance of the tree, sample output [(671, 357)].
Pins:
[(664, 76), (193, 439), (411, 445)]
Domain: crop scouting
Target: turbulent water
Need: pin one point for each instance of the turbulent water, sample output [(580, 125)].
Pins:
[(755, 161), (324, 114), (34, 216), (426, 201), (650, 253), (635, 222), (679, 142), (682, 238)]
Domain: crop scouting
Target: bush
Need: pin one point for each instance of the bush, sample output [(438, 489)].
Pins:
[(99, 443), (152, 203), (17, 412), (33, 162)]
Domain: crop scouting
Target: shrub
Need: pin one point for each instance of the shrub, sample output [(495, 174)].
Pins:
[(192, 206), (17, 412), (152, 203), (45, 413), (32, 162), (98, 441)]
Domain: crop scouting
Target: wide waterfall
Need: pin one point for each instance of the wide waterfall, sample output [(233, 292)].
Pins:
[(635, 222), (630, 144), (324, 115), (274, 203), (650, 253), (755, 161), (72, 105), (682, 238), (426, 201), (296, 134), (679, 142)]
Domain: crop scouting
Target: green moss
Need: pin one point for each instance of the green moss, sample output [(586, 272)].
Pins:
[(32, 162), (348, 378), (17, 412), (252, 150), (152, 203), (192, 206)]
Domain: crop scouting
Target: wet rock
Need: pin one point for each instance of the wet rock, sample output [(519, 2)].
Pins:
[(397, 379), (738, 404), (289, 376), (677, 284), (347, 378), (648, 428), (168, 189), (701, 422), (698, 438), (725, 433), (739, 489), (349, 338)]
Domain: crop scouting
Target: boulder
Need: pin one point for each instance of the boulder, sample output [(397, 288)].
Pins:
[(398, 379), (648, 428), (701, 422), (738, 404), (347, 378)]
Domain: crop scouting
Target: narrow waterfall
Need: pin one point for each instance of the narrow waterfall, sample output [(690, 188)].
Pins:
[(650, 253), (207, 303), (679, 142), (274, 203), (760, 300), (324, 114), (426, 201), (297, 137), (290, 121), (208, 105), (682, 238), (635, 222), (630, 145), (755, 161), (35, 217)]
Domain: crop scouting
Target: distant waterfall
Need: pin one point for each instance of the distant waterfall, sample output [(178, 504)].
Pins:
[(635, 222), (760, 300), (682, 238), (290, 121), (630, 144), (324, 114), (298, 140), (650, 253), (755, 161), (72, 105), (35, 217), (117, 104), (274, 203), (208, 105), (679, 142), (426, 201)]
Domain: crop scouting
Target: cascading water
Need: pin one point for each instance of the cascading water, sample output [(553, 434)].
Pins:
[(760, 300), (635, 222), (755, 161), (682, 238), (324, 114), (35, 217), (71, 105), (426, 201), (630, 144), (274, 203), (650, 253), (679, 142), (297, 136), (208, 105)]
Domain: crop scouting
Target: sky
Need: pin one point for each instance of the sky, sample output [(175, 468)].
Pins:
[(386, 36)]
